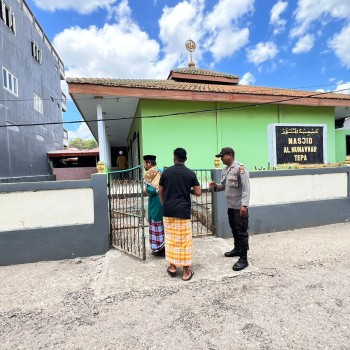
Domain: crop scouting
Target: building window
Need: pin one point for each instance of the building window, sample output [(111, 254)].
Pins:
[(9, 81), (7, 16), (37, 53), (38, 103), (348, 145)]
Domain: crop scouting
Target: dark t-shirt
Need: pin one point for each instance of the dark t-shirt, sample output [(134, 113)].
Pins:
[(177, 181)]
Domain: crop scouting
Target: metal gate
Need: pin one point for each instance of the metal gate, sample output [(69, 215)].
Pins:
[(202, 207), (127, 231)]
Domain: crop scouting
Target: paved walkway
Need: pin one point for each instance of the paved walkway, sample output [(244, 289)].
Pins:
[(294, 295)]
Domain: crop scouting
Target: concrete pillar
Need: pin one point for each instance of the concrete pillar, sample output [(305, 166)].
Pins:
[(221, 226), (101, 132)]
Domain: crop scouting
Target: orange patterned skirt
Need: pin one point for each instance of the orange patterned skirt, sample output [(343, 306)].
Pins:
[(178, 241)]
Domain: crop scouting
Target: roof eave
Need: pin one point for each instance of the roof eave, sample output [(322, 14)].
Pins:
[(172, 94)]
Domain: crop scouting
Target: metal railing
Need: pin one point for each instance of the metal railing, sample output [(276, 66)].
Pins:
[(202, 207), (126, 202)]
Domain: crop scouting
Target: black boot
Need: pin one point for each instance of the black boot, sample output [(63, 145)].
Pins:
[(233, 252), (242, 262)]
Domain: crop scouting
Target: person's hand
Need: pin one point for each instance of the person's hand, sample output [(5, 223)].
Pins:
[(212, 184), (243, 212)]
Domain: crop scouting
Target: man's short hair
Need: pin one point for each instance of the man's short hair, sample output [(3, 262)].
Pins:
[(180, 154), (152, 162)]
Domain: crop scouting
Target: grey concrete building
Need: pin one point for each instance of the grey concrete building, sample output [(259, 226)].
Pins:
[(30, 93)]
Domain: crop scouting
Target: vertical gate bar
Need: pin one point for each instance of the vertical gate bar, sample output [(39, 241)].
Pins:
[(110, 211)]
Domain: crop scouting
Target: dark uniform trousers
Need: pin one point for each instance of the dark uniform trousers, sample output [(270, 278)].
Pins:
[(239, 227)]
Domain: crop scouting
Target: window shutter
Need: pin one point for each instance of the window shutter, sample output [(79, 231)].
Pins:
[(3, 11), (13, 23), (10, 17)]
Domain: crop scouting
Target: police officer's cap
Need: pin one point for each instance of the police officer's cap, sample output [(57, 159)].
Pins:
[(225, 150)]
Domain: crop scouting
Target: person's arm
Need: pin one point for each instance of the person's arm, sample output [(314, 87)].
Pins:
[(197, 191), (217, 187), (196, 188), (161, 194), (245, 192), (150, 190)]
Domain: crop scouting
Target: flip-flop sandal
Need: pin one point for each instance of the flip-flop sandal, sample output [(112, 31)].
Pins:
[(187, 279), (171, 273)]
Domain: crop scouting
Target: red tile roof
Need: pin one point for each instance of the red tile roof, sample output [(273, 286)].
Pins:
[(205, 87)]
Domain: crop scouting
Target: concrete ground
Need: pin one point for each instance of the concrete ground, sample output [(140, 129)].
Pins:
[(294, 295)]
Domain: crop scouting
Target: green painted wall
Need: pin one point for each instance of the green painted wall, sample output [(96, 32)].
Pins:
[(136, 128), (194, 132), (203, 134), (340, 141), (245, 130)]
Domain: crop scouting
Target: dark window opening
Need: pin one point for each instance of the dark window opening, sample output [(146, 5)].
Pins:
[(36, 52), (7, 16), (348, 145)]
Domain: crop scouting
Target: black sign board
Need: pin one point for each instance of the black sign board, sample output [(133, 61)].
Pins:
[(299, 144)]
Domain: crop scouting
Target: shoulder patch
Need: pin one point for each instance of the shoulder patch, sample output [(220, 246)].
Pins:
[(241, 168)]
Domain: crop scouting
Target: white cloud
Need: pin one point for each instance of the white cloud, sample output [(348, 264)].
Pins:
[(176, 25), (262, 52), (275, 20), (224, 13), (122, 49), (227, 42), (304, 44), (217, 31), (309, 11), (80, 6), (225, 34), (343, 88), (115, 50), (340, 43), (247, 79), (83, 132)]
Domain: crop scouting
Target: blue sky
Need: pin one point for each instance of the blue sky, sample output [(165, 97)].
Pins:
[(302, 44)]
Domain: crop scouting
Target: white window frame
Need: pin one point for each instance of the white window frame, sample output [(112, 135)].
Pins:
[(38, 103), (10, 82)]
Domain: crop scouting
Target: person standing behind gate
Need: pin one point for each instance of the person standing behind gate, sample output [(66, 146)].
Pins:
[(235, 183), (121, 161), (155, 208), (175, 187)]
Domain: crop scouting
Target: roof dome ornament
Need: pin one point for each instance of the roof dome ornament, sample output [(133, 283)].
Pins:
[(190, 46)]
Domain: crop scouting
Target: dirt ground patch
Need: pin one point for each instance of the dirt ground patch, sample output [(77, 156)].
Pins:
[(294, 295)]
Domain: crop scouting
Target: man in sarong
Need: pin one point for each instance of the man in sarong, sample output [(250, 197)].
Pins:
[(176, 185), (155, 209)]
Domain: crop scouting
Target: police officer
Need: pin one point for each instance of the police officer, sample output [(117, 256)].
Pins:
[(235, 183)]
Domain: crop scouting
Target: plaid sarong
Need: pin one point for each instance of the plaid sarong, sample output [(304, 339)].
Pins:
[(178, 241), (156, 235)]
